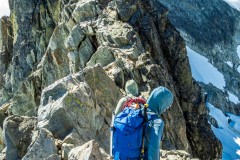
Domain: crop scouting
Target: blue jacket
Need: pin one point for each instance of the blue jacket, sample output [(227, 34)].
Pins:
[(159, 101)]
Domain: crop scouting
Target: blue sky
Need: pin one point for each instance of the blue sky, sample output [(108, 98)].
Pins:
[(4, 8)]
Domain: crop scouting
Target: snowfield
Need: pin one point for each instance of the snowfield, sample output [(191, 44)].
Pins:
[(233, 98), (203, 71), (227, 131), (229, 63), (234, 3)]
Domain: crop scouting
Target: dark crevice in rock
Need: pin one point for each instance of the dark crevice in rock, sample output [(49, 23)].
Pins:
[(94, 42), (79, 45)]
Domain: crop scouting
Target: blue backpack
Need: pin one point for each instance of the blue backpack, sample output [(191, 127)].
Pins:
[(128, 134)]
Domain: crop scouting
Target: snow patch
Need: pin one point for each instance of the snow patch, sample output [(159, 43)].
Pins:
[(229, 63), (238, 152), (203, 71), (237, 140), (234, 3), (233, 98), (4, 8), (238, 49), (227, 132), (238, 69)]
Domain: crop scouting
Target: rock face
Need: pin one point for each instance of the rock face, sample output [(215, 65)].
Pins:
[(31, 27), (6, 51), (77, 107), (69, 63), (89, 150), (17, 140), (42, 146), (6, 45), (175, 155), (208, 33)]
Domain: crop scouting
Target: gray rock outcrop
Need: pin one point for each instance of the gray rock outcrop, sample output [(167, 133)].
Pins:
[(175, 155), (77, 107), (17, 132), (89, 150), (42, 146)]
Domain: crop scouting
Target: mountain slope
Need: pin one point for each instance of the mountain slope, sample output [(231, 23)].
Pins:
[(212, 30), (213, 37), (68, 66)]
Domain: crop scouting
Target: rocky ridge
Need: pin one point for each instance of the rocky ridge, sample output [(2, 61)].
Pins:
[(65, 64)]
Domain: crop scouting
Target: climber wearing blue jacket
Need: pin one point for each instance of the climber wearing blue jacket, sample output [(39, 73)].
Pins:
[(128, 127), (159, 101)]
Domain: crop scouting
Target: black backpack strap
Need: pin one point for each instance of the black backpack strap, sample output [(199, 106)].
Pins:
[(145, 113), (144, 130)]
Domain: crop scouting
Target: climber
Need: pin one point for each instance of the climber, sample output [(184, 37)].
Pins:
[(158, 102), (131, 89), (160, 99)]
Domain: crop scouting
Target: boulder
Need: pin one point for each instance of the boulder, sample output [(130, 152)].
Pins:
[(66, 148), (126, 9), (70, 141), (55, 63), (85, 10), (74, 38), (24, 103), (89, 151), (103, 56), (17, 141), (76, 109), (42, 146), (175, 155), (79, 57), (116, 33), (85, 52)]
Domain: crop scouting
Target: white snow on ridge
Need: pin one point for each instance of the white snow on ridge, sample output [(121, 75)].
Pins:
[(238, 69), (238, 49), (233, 98), (237, 140), (4, 8), (203, 71), (229, 63), (227, 132), (238, 52), (234, 3)]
